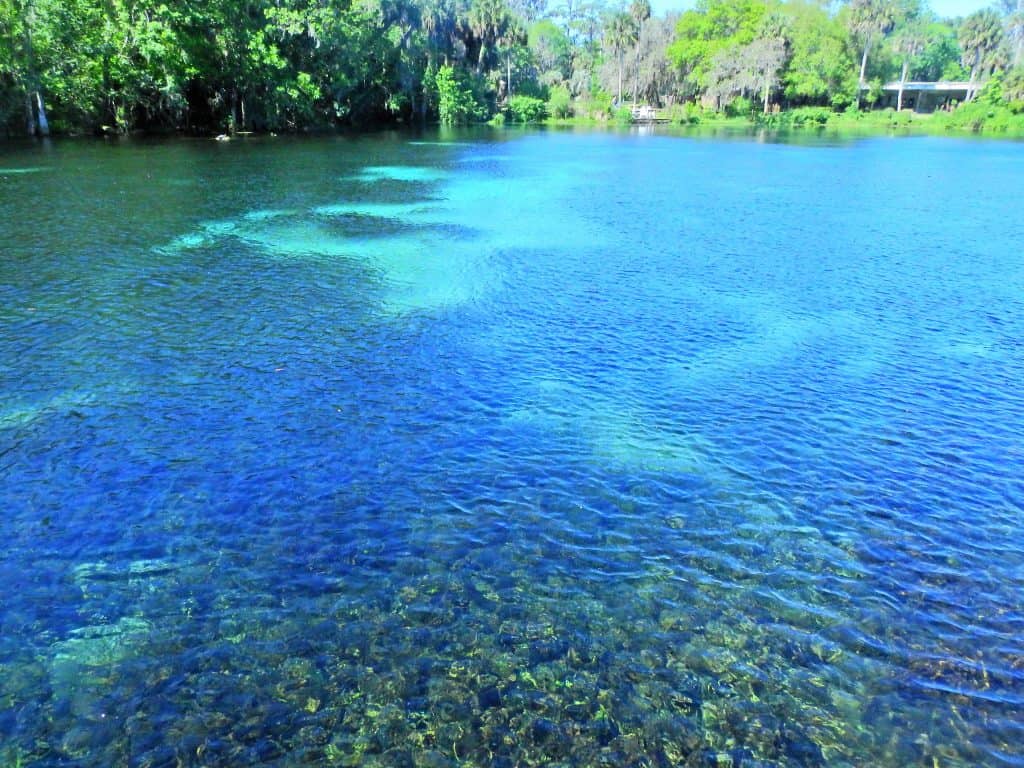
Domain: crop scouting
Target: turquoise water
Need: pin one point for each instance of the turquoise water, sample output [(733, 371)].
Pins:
[(512, 449)]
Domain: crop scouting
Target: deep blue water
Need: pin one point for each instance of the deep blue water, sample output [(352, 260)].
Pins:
[(512, 449)]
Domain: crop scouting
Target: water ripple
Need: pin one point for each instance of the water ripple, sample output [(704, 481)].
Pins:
[(512, 451)]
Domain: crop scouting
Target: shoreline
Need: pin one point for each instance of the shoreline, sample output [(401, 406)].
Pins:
[(985, 122), (799, 122)]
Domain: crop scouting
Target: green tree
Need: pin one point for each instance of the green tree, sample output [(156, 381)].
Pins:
[(981, 38), (456, 103), (820, 69), (619, 34), (26, 69), (751, 69), (640, 11), (909, 42), (1013, 88), (654, 74), (1014, 10), (512, 46), (488, 21), (712, 27), (551, 52), (941, 53)]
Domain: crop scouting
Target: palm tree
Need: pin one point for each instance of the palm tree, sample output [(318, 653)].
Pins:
[(1015, 29), (618, 34), (640, 11), (1013, 10), (981, 36), (868, 20), (487, 21), (769, 51), (35, 107), (910, 42), (513, 35)]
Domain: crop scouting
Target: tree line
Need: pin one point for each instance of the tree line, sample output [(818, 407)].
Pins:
[(202, 66), (801, 53)]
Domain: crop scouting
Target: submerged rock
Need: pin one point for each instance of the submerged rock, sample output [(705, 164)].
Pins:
[(542, 651), (100, 644), (798, 747), (489, 698)]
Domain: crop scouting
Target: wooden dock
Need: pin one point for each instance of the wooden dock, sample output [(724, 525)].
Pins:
[(646, 115)]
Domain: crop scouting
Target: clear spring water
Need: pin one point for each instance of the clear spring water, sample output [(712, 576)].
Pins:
[(512, 449)]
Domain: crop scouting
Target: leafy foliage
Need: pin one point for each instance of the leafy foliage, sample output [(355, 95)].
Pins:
[(114, 66), (559, 104), (714, 26), (456, 102), (526, 109)]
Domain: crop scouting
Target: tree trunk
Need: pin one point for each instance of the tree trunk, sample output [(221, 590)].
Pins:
[(232, 117), (863, 70), (35, 112), (636, 72), (30, 115), (44, 124), (508, 81), (618, 101), (241, 109), (767, 91), (425, 100), (480, 59), (1018, 54), (903, 81), (970, 84)]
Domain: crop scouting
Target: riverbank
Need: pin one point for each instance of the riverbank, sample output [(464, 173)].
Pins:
[(977, 119)]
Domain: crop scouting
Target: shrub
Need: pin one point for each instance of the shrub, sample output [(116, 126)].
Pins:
[(599, 105), (526, 109), (875, 91), (739, 107), (810, 116), (689, 113), (1013, 86), (900, 119), (560, 103)]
